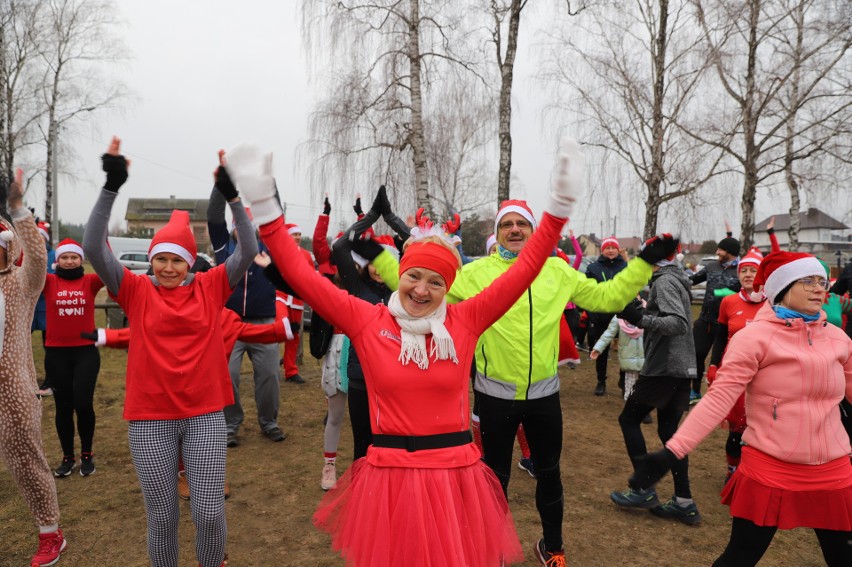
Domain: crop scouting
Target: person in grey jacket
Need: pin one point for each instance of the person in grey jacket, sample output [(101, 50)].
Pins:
[(664, 383)]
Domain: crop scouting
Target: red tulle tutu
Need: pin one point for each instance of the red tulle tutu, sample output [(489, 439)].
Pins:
[(816, 504), (381, 516)]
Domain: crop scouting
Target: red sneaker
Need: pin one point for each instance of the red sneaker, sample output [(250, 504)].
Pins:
[(50, 546)]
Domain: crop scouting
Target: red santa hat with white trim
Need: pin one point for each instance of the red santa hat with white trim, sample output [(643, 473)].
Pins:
[(293, 229), (514, 206), (779, 269), (753, 258), (42, 230), (176, 237), (492, 240), (69, 245)]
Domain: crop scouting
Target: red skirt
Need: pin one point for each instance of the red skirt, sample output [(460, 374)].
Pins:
[(381, 516), (770, 492)]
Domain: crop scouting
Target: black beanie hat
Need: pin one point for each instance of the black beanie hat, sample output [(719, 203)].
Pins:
[(730, 245)]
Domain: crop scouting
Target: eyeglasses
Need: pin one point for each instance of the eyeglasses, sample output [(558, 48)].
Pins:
[(814, 284), (521, 224)]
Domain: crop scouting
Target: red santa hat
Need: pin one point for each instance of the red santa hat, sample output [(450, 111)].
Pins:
[(492, 240), (176, 237), (42, 230), (610, 241), (69, 245), (753, 258), (293, 229), (514, 206), (6, 236), (779, 269)]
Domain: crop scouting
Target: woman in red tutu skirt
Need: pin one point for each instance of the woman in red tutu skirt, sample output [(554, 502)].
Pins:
[(421, 496), (794, 369)]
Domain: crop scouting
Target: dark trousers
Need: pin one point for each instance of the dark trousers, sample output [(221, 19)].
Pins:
[(749, 542), (703, 333), (73, 374), (668, 418), (359, 418), (542, 421), (596, 329), (572, 317)]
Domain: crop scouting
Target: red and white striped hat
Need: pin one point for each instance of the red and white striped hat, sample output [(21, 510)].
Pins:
[(610, 241)]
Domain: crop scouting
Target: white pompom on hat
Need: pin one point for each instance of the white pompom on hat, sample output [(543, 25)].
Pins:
[(6, 236), (779, 269)]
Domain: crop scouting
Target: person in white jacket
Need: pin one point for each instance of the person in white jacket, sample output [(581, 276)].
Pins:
[(631, 350)]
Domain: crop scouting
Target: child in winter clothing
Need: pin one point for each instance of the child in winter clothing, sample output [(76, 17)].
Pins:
[(631, 351)]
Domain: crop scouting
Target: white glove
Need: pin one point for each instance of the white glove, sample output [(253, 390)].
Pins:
[(251, 171), (568, 178)]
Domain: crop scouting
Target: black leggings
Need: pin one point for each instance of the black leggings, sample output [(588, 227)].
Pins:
[(359, 418), (668, 418), (73, 374), (703, 334), (542, 421), (749, 542)]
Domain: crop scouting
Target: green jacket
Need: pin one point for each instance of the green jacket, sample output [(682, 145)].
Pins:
[(516, 358)]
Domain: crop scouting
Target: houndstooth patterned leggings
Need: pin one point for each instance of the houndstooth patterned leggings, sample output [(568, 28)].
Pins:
[(154, 446)]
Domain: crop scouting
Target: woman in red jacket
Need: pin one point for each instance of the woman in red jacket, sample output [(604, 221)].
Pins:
[(71, 361), (421, 496), (177, 379)]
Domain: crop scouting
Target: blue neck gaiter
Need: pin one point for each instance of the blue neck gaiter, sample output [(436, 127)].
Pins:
[(506, 254), (783, 313)]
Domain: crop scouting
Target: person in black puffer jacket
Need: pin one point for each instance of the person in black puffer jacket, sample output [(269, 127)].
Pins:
[(603, 269)]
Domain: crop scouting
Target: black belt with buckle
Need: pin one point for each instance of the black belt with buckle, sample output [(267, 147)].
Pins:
[(413, 443)]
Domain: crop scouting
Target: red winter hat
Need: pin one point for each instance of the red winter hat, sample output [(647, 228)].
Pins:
[(69, 245), (293, 229), (514, 206), (176, 237), (753, 258), (610, 241), (780, 269), (42, 230)]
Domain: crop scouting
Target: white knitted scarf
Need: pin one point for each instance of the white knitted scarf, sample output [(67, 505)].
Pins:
[(414, 331)]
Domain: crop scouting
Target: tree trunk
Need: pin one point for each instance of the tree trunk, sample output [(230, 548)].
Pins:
[(652, 211), (789, 149), (3, 101), (416, 138), (657, 173), (752, 152), (507, 73)]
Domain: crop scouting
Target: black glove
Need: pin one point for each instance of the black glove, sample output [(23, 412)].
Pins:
[(116, 171), (326, 207), (632, 313), (295, 328), (93, 336), (225, 185), (358, 210), (381, 203), (659, 248), (650, 468), (367, 249)]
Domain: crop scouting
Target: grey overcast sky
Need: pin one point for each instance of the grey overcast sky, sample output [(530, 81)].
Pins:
[(208, 75)]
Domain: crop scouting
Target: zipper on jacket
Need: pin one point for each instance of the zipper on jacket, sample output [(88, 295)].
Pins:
[(809, 335), (775, 409), (529, 372), (485, 359)]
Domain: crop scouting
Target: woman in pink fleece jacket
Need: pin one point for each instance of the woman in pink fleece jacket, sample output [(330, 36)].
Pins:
[(794, 369)]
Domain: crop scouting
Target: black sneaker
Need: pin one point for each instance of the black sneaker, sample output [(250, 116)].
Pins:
[(275, 434), (232, 440), (600, 389), (65, 468), (295, 379), (87, 464), (672, 510), (549, 558)]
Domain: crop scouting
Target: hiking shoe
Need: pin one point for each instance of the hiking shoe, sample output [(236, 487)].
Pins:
[(694, 397), (65, 468), (183, 486), (329, 476), (647, 419), (232, 440), (87, 464), (527, 465), (600, 389), (630, 498), (295, 379), (687, 514), (550, 558), (50, 546), (275, 434)]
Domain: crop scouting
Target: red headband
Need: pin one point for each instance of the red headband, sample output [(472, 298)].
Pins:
[(431, 256)]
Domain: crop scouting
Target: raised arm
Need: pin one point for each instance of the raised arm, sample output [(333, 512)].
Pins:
[(322, 251), (95, 245), (773, 240), (578, 252), (236, 264), (34, 266)]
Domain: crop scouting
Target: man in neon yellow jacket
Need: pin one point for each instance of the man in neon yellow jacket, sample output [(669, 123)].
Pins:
[(516, 358)]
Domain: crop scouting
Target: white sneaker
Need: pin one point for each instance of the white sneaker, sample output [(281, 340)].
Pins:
[(329, 476)]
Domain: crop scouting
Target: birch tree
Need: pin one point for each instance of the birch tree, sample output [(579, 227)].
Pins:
[(632, 73), (378, 63)]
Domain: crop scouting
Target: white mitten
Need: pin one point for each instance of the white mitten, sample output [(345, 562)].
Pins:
[(568, 178), (251, 171)]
